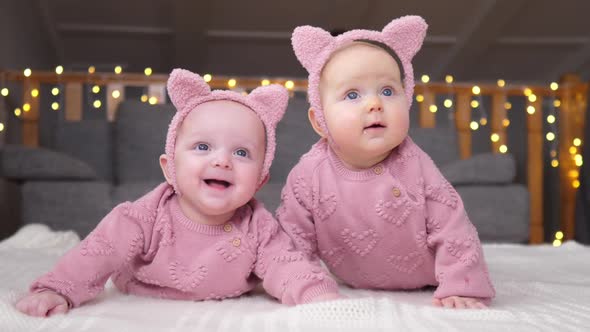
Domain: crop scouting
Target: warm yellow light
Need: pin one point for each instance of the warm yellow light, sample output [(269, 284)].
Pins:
[(559, 235), (97, 104), (474, 125), (483, 121), (503, 148), (153, 100), (507, 105), (573, 150), (207, 78), (501, 83), (495, 137), (556, 243), (232, 82), (27, 72), (147, 71), (475, 90), (557, 103), (55, 91), (448, 103), (26, 107), (59, 70), (91, 70), (554, 163), (1, 126), (144, 98), (550, 136), (573, 174), (550, 118), (96, 89), (17, 112), (506, 122), (528, 92), (577, 141), (530, 109), (553, 153), (449, 78), (55, 106), (532, 98), (576, 183), (4, 92), (474, 103), (34, 93), (289, 85), (579, 160), (433, 108), (554, 86), (116, 94), (425, 79), (265, 82), (419, 98), (118, 70)]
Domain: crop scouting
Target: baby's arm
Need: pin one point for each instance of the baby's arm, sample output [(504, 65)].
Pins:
[(287, 274), (81, 273), (460, 266)]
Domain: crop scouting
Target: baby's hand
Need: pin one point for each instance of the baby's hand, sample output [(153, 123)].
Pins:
[(43, 304), (327, 297), (459, 302)]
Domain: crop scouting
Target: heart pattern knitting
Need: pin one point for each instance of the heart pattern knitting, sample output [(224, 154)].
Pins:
[(165, 229), (333, 257), (361, 243), (407, 263), (228, 250), (186, 279), (97, 245), (324, 205)]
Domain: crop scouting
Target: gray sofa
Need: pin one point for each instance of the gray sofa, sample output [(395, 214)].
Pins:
[(99, 164)]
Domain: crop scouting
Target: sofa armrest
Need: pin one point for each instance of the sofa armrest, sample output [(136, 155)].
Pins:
[(19, 162), (484, 168)]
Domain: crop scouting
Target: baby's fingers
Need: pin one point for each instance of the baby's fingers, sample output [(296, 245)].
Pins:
[(59, 309)]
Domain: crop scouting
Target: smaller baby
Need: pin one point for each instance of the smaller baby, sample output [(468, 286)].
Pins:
[(200, 235)]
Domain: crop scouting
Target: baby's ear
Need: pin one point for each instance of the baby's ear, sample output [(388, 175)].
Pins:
[(184, 85), (406, 34), (274, 99), (164, 166), (308, 42)]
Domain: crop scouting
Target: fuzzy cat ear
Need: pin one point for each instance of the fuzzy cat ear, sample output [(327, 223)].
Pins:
[(406, 34), (308, 42), (184, 85), (274, 98)]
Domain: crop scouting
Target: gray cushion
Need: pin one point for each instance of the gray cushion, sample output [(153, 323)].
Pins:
[(140, 137), (500, 213), (270, 195), (132, 191), (24, 163), (439, 143), (65, 205), (481, 169)]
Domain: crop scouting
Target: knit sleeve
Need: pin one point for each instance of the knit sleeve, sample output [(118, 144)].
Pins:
[(286, 273), (295, 212), (80, 275), (460, 266)]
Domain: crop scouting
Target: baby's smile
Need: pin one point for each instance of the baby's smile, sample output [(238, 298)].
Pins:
[(217, 184)]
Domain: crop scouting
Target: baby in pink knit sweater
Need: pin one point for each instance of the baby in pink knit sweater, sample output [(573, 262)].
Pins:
[(365, 199), (200, 235)]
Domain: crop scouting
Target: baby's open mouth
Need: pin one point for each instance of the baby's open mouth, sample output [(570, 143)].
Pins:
[(375, 126), (218, 184)]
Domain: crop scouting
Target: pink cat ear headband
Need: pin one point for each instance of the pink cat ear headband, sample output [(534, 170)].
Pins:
[(314, 46), (187, 90)]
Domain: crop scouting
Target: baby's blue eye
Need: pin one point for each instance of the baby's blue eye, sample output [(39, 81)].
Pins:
[(352, 95), (387, 92), (202, 147), (242, 153)]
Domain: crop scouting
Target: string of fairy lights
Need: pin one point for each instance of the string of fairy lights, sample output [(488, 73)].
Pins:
[(479, 114)]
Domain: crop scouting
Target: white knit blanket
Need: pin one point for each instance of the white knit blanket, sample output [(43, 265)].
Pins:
[(539, 288)]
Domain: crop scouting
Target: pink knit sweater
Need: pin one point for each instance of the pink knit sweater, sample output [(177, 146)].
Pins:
[(150, 248), (398, 225)]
